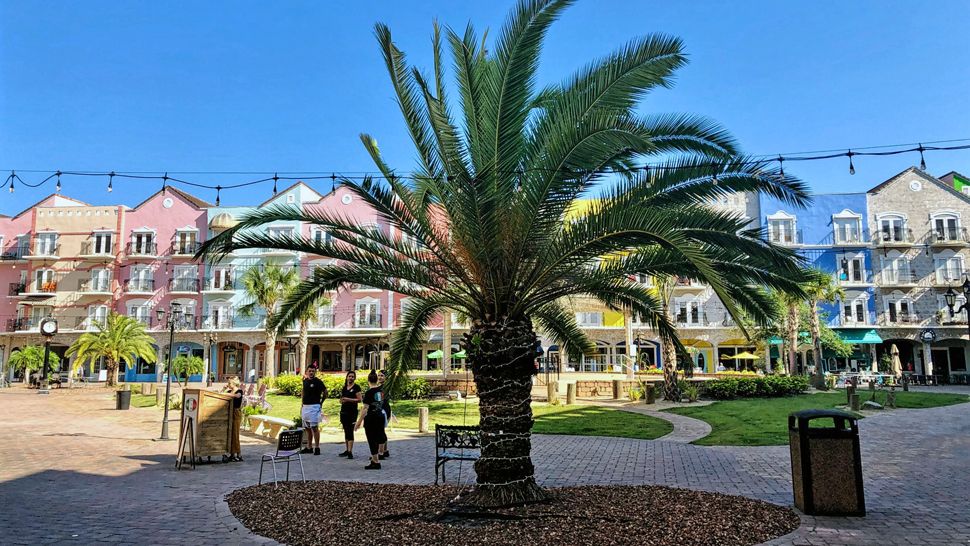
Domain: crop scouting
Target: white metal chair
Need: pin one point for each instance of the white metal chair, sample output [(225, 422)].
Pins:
[(287, 448)]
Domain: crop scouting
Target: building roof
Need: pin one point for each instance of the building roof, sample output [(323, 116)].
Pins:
[(49, 197), (297, 184), (948, 177), (924, 175), (195, 201), (223, 221)]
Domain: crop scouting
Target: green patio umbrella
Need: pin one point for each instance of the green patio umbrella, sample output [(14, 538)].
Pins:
[(435, 355), (459, 354)]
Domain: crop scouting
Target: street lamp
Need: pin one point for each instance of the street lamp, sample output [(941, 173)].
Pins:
[(175, 317), (951, 300), (210, 339)]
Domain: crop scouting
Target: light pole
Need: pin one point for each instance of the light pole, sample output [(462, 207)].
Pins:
[(175, 318), (951, 300), (210, 339), (48, 328)]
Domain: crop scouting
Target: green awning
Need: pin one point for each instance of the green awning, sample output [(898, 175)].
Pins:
[(855, 337), (803, 337)]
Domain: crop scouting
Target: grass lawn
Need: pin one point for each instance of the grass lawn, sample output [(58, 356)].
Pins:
[(142, 400), (576, 420), (764, 421)]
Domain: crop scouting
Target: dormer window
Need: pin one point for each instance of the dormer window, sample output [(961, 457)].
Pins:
[(847, 227), (781, 228)]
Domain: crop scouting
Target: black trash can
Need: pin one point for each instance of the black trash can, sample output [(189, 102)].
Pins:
[(826, 465), (123, 399)]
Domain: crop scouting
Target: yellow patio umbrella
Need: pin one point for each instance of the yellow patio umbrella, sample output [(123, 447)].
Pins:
[(740, 356)]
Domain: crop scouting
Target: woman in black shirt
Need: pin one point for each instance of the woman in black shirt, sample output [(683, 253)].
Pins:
[(372, 417), (349, 398), (382, 452)]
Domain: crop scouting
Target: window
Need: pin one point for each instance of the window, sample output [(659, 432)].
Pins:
[(949, 269), (140, 279), (896, 270), (185, 242), (97, 315), (322, 237), (847, 227), (854, 311), (643, 279), (688, 312), (185, 279), (946, 227), (220, 315), (278, 232), (100, 280), (102, 244), (221, 279), (781, 228), (141, 312), (589, 318), (899, 310), (44, 281), (143, 243), (852, 269), (46, 244), (366, 314), (892, 229), (325, 316)]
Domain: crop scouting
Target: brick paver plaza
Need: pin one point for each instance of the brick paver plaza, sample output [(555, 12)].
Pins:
[(74, 469)]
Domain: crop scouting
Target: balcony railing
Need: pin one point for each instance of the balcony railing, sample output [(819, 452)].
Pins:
[(183, 285), (137, 285), (49, 287), (219, 284), (323, 320), (897, 278), (850, 239), (94, 286), (691, 320), (141, 249), (853, 278), (144, 319), (184, 249), (896, 237), (44, 251), (22, 324), (91, 248), (902, 319), (947, 237), (220, 322), (868, 319), (17, 288), (16, 252), (88, 323), (371, 321), (786, 238), (947, 277)]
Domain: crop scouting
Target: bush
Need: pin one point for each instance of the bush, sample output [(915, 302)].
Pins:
[(270, 382), (635, 394), (691, 392), (416, 388), (289, 384), (751, 387), (652, 371), (253, 410), (335, 383)]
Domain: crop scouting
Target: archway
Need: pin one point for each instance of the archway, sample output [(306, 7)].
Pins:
[(949, 358), (730, 348), (910, 354)]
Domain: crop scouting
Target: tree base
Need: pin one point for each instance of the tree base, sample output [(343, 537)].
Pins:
[(493, 496)]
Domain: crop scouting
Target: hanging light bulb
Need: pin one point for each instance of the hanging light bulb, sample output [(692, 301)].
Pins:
[(922, 162), (781, 168), (10, 178), (57, 188), (851, 166), (714, 177), (111, 177), (275, 178), (164, 183), (218, 189)]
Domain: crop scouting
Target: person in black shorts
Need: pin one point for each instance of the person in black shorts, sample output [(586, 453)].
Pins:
[(314, 393), (372, 417), (350, 396), (382, 452)]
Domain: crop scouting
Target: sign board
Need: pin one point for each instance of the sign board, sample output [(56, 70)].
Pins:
[(102, 375)]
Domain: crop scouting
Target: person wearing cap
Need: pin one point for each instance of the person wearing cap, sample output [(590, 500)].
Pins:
[(314, 393)]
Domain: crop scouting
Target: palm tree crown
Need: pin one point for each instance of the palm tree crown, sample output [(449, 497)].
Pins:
[(119, 340), (485, 214), (267, 287)]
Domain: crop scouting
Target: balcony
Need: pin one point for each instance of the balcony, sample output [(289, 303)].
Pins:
[(900, 319), (949, 237), (685, 283), (369, 321), (95, 287), (44, 252), (183, 286), (692, 320), (323, 320), (23, 324), (40, 290), (14, 253), (895, 238), (218, 322), (897, 279), (850, 239), (141, 250), (215, 285), (17, 289), (786, 237), (90, 250), (944, 278), (184, 249), (139, 286), (868, 319), (88, 324), (144, 319), (854, 278)]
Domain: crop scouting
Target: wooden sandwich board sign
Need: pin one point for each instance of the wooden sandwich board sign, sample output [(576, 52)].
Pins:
[(206, 425)]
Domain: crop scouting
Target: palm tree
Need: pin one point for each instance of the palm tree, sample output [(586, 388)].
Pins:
[(308, 314), (487, 207), (30, 358), (664, 291), (119, 340), (820, 287), (266, 287)]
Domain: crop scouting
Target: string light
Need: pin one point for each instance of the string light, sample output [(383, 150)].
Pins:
[(781, 168), (218, 190), (164, 183), (922, 162), (57, 188), (12, 174), (276, 178), (851, 166), (111, 177)]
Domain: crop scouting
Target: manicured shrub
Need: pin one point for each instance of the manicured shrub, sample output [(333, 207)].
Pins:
[(747, 388), (751, 387), (253, 410), (722, 389), (289, 384), (416, 388)]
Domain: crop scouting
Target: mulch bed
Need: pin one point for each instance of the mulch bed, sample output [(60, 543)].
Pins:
[(351, 513)]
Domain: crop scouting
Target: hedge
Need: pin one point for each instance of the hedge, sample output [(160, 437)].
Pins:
[(752, 387), (408, 389)]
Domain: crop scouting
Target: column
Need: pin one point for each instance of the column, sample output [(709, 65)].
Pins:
[(424, 359), (874, 364), (711, 364), (446, 344), (344, 364), (631, 353), (927, 359), (160, 363)]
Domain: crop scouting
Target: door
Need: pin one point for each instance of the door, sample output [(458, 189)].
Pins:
[(44, 281), (222, 279), (142, 243), (184, 279), (141, 279), (941, 361), (102, 243), (185, 242), (231, 365), (367, 316), (946, 229), (100, 280), (46, 244)]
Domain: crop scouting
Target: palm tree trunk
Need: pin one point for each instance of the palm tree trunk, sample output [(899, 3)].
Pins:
[(112, 367), (815, 327), (303, 344), (269, 362), (502, 356), (671, 383), (792, 339)]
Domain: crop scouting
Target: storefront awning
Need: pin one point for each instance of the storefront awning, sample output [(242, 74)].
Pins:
[(803, 337), (856, 337)]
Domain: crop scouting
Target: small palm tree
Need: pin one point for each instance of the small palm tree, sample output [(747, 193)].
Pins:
[(119, 340), (267, 287), (488, 223), (663, 288), (820, 287), (31, 358)]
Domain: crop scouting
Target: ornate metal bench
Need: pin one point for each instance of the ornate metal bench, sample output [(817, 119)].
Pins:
[(455, 443)]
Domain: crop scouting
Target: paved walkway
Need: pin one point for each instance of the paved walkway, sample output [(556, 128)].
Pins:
[(72, 469), (686, 429)]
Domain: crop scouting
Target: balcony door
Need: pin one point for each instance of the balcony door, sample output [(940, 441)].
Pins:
[(102, 243), (185, 242), (947, 228), (44, 280), (142, 243), (100, 280), (46, 244), (367, 314)]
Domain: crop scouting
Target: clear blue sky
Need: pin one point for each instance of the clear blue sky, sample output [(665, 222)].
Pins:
[(257, 86)]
